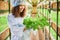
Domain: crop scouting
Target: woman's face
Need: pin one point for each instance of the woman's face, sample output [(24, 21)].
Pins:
[(21, 8)]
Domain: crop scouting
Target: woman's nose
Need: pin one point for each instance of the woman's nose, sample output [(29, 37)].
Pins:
[(22, 7)]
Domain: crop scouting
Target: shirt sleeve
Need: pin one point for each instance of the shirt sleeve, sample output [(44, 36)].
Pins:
[(12, 22)]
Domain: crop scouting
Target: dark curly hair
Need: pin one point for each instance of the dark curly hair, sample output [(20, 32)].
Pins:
[(16, 13)]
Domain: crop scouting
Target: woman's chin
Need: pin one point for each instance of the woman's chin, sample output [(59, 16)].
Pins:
[(20, 11)]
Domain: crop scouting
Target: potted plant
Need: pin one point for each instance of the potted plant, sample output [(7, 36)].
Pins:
[(35, 23)]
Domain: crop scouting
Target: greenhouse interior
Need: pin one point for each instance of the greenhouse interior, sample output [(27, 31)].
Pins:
[(42, 20)]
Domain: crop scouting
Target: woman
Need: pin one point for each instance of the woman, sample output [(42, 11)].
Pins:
[(15, 21)]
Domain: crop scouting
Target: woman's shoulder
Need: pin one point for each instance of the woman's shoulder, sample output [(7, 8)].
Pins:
[(10, 15)]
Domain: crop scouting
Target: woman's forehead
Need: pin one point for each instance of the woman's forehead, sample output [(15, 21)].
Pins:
[(22, 5)]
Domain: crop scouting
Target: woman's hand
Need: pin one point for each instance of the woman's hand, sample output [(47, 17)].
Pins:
[(24, 29)]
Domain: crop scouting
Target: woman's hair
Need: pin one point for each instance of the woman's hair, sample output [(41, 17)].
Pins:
[(16, 11)]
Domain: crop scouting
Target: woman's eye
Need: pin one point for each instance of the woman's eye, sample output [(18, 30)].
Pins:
[(20, 7)]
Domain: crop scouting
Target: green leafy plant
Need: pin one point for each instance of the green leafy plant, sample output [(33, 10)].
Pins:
[(34, 23)]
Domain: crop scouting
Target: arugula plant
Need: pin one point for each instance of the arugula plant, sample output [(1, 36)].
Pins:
[(35, 23)]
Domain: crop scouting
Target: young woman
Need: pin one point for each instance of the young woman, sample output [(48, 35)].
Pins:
[(15, 21)]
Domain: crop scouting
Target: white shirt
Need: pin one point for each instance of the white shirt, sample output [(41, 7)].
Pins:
[(16, 27)]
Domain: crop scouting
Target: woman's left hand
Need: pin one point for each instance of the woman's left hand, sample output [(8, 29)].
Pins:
[(24, 29)]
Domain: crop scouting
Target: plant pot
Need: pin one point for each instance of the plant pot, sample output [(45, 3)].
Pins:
[(34, 31), (27, 34)]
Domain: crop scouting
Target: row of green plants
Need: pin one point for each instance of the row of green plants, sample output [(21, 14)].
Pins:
[(53, 33), (53, 15), (53, 18), (3, 23)]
